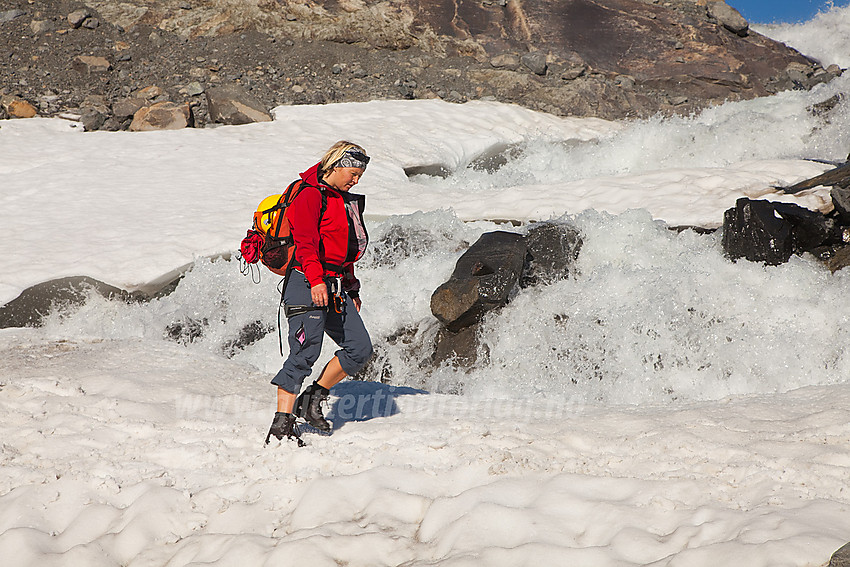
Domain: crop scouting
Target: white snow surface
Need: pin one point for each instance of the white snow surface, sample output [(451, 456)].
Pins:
[(664, 406), (159, 461)]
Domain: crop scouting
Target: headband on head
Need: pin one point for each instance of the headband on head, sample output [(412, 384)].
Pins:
[(352, 158)]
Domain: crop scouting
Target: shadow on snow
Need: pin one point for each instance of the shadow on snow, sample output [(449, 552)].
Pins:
[(361, 401)]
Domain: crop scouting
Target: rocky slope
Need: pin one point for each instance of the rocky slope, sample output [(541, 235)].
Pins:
[(605, 58)]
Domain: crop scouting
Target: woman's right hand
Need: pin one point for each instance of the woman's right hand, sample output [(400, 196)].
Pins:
[(319, 294)]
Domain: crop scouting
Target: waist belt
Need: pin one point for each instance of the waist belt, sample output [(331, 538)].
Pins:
[(335, 268)]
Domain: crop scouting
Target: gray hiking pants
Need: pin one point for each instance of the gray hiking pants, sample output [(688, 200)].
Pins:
[(306, 332)]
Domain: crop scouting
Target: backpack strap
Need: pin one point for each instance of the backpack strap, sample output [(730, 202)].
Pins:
[(282, 204), (321, 214)]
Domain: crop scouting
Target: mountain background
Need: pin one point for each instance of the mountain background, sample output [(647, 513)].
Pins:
[(604, 58)]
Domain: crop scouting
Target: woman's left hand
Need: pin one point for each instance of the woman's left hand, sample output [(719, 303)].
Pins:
[(357, 303)]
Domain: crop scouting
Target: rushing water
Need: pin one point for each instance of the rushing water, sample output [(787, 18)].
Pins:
[(649, 315)]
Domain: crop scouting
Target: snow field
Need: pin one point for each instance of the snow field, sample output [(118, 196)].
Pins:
[(143, 453)]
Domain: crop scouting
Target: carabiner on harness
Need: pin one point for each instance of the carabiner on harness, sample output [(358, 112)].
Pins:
[(336, 297)]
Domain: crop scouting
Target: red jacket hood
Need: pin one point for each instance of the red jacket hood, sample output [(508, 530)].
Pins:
[(311, 176)]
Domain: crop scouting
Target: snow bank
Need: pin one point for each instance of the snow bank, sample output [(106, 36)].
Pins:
[(161, 462)]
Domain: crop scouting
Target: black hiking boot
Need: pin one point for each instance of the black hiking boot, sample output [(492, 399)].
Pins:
[(308, 406), (284, 426)]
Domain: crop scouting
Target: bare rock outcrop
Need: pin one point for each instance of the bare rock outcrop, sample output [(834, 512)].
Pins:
[(605, 58), (678, 55)]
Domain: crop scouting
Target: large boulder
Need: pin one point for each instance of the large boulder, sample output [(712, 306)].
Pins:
[(809, 229), (15, 107), (126, 108), (35, 303), (232, 104), (552, 251), (485, 276), (728, 17), (162, 116), (752, 230), (841, 203), (482, 280), (770, 232), (458, 349), (841, 558)]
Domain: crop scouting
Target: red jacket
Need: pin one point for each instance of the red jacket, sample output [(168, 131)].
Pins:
[(327, 243)]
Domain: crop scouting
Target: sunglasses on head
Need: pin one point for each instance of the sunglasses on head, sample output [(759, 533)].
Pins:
[(358, 155)]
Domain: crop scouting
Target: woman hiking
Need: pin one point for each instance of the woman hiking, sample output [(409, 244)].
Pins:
[(322, 295)]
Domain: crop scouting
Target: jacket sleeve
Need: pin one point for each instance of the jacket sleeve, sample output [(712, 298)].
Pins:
[(303, 215), (350, 284)]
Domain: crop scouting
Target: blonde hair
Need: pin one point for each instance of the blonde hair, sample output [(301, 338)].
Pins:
[(335, 153)]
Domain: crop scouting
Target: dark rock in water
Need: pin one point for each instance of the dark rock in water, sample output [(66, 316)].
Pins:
[(839, 260), (697, 229), (409, 351), (187, 330), (378, 368), (400, 242), (248, 335), (31, 307), (825, 107), (552, 250), (840, 176), (841, 202), (232, 104), (495, 157), (482, 279), (809, 229), (485, 276), (752, 230), (841, 558), (765, 231), (458, 349), (431, 170)]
